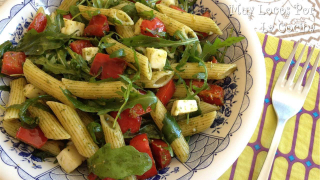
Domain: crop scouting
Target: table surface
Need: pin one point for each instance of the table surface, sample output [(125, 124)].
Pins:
[(273, 24)]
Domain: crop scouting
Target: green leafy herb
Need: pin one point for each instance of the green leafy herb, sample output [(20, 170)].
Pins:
[(147, 41), (119, 163), (94, 128), (150, 129), (157, 33), (27, 121), (115, 21), (34, 43), (4, 88), (170, 129), (147, 15), (75, 12), (53, 67), (62, 12), (77, 62), (97, 3), (131, 10), (184, 58), (56, 24), (4, 47), (104, 43), (42, 154), (118, 53), (93, 13)]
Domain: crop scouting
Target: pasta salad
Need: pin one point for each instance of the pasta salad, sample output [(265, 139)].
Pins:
[(120, 85)]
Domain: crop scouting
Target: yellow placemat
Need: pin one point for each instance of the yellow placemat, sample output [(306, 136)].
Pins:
[(298, 155)]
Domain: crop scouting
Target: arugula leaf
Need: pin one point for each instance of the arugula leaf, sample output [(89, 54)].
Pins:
[(34, 43), (147, 41), (77, 62), (118, 53), (62, 12), (110, 3), (93, 13), (27, 121), (147, 15), (184, 58), (93, 128), (75, 12), (4, 47), (118, 163), (114, 21), (4, 88), (62, 57), (155, 32), (97, 3), (104, 43), (56, 24), (53, 67), (131, 10)]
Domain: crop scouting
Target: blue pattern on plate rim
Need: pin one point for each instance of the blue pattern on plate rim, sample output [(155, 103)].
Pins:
[(203, 147)]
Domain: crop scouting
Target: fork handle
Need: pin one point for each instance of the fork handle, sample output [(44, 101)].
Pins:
[(265, 171)]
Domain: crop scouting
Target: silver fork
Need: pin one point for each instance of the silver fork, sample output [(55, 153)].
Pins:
[(287, 99)]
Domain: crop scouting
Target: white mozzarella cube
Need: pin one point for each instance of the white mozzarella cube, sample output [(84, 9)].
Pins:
[(30, 91), (72, 26), (89, 52), (157, 58), (69, 158), (137, 29), (183, 107), (168, 2)]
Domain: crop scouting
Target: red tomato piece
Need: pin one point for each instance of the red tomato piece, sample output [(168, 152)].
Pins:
[(138, 110), (111, 67), (12, 63), (177, 8), (127, 122), (92, 176), (97, 25), (155, 25), (67, 16), (166, 92), (213, 95), (34, 137), (214, 60), (78, 45), (161, 155), (141, 143), (206, 14), (39, 23), (158, 2)]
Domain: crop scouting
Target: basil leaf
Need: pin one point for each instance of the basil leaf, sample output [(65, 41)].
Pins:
[(93, 128), (34, 43), (118, 163), (118, 53), (4, 88), (131, 10), (4, 47), (147, 41), (27, 121), (147, 15), (170, 129)]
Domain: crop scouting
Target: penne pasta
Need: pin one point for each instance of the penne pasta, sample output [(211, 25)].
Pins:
[(45, 82), (85, 117), (52, 147), (195, 22), (16, 97), (171, 25), (30, 91), (72, 123), (87, 90), (49, 124), (215, 70), (159, 79), (12, 127), (125, 31), (112, 135), (120, 6), (179, 145), (116, 14), (144, 64), (65, 5), (197, 124)]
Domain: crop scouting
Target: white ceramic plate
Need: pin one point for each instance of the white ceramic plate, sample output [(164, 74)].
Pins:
[(211, 152)]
